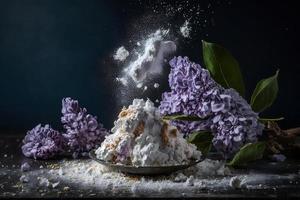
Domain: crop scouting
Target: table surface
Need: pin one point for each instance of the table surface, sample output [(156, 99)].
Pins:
[(283, 179)]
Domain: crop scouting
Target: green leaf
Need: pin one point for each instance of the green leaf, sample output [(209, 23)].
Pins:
[(265, 93), (270, 119), (249, 152), (223, 67), (182, 117), (203, 141)]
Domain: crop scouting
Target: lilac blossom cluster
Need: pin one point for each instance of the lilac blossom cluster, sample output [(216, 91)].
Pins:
[(226, 113), (83, 132), (42, 142)]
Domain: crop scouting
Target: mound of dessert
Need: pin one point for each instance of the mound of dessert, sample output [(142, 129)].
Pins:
[(141, 138)]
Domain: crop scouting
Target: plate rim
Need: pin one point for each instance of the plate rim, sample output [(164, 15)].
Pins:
[(93, 156)]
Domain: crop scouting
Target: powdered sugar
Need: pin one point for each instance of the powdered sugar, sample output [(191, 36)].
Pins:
[(186, 29), (235, 182), (43, 182), (149, 60), (92, 173), (122, 80), (121, 54), (25, 167), (140, 137), (88, 175), (156, 85), (24, 179)]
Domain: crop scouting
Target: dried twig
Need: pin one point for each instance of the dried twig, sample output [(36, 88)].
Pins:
[(280, 141)]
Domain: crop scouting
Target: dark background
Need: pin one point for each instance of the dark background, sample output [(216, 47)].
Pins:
[(51, 49)]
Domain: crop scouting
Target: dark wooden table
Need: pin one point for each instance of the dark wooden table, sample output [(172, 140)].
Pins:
[(11, 159)]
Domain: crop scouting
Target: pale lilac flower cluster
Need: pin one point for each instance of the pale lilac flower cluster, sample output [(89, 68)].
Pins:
[(43, 143), (83, 132), (226, 113)]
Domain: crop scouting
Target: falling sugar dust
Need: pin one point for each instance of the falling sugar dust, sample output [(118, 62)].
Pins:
[(153, 43), (146, 61), (121, 54), (150, 60), (186, 29)]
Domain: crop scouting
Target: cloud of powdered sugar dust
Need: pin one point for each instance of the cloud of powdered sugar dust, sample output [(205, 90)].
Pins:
[(153, 39), (145, 63)]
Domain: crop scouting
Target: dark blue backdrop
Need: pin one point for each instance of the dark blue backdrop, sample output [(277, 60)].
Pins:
[(51, 49)]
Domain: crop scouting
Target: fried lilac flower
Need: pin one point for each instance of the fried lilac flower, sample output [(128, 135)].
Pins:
[(227, 114), (83, 132), (43, 143)]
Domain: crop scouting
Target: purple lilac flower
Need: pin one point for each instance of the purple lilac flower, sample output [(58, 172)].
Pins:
[(83, 132), (194, 92), (43, 142)]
